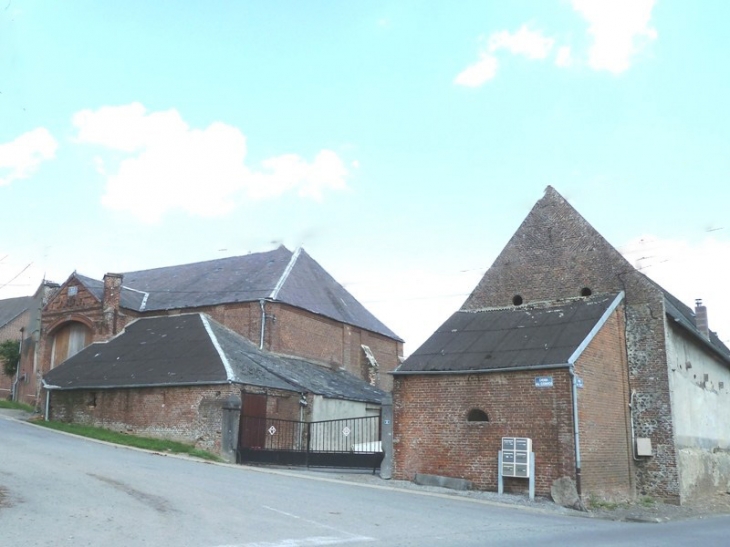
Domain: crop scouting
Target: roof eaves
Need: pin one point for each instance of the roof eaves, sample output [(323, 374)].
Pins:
[(477, 371), (596, 328), (13, 318), (52, 387), (289, 267)]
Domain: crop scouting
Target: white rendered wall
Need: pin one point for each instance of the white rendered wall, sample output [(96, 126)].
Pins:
[(699, 384)]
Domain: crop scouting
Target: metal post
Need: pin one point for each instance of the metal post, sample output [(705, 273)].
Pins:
[(500, 482), (532, 476), (309, 443)]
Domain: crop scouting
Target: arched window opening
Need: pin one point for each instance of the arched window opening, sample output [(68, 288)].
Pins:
[(586, 291), (477, 415)]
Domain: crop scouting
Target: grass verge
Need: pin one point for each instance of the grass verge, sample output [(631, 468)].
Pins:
[(4, 403), (158, 445)]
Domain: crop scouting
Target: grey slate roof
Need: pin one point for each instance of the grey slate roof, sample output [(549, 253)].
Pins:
[(94, 286), (10, 308), (279, 275), (498, 339), (193, 349)]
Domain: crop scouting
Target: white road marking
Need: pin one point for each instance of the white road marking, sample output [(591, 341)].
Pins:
[(313, 541), (305, 542)]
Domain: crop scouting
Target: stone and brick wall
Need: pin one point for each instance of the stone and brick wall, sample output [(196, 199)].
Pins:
[(191, 415), (556, 254), (432, 435)]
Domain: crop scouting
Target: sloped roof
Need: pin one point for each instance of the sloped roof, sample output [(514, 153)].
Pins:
[(685, 317), (517, 337), (279, 275), (94, 286), (193, 349), (10, 308)]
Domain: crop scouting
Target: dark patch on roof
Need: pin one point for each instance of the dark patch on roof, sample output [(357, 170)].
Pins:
[(10, 308), (510, 337), (181, 350), (247, 278)]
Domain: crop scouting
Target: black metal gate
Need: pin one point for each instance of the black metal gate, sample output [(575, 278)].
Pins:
[(349, 442)]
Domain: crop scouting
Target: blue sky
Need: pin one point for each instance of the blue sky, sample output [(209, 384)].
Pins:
[(401, 143)]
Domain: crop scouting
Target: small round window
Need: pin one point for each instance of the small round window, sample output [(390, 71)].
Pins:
[(477, 415)]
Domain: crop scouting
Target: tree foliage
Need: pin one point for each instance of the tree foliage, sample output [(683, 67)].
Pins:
[(9, 356)]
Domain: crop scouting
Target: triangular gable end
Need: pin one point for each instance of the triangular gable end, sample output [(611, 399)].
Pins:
[(75, 286), (555, 253)]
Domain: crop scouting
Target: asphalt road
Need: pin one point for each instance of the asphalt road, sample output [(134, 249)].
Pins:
[(60, 490)]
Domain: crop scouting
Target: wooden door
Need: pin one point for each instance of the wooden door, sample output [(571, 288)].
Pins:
[(252, 432)]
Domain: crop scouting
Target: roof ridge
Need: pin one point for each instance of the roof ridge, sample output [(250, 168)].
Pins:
[(214, 339), (284, 276), (209, 261)]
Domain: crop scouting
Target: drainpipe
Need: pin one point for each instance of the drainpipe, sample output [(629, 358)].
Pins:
[(576, 428), (263, 323), (633, 432), (17, 367), (46, 414)]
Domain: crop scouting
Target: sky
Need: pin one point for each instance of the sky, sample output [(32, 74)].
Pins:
[(401, 143)]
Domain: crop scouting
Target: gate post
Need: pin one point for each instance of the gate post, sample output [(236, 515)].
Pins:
[(229, 427), (386, 437), (309, 443)]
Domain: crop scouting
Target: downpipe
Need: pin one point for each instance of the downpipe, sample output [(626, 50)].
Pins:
[(576, 428)]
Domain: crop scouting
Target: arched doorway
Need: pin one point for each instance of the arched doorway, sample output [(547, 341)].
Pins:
[(68, 340)]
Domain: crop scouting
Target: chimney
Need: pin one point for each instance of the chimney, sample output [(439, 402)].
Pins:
[(110, 301), (701, 319)]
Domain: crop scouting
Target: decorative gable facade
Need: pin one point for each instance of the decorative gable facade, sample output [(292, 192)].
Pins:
[(630, 415)]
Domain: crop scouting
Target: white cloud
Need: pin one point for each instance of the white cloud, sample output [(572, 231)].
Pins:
[(22, 156), (171, 166), (620, 28), (290, 171), (480, 72), (526, 42), (688, 271), (563, 57)]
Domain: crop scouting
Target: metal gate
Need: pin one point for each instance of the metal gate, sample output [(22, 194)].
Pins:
[(349, 442)]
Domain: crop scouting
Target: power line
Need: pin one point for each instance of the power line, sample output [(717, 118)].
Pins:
[(16, 276)]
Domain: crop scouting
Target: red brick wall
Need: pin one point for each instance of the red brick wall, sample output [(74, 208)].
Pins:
[(603, 416), (431, 434)]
